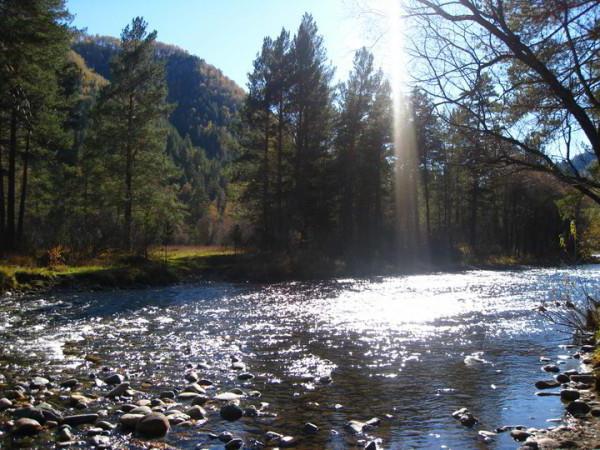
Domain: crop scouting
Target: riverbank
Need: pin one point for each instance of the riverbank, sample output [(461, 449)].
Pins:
[(581, 397), (189, 263), (160, 268)]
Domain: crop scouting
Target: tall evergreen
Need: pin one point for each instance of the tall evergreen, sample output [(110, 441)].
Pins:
[(258, 114), (34, 44), (311, 116), (282, 73), (131, 125)]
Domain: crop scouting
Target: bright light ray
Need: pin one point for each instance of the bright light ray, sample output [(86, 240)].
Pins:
[(407, 174)]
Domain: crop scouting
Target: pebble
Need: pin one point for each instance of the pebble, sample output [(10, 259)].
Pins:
[(487, 435), (547, 384), (231, 412), (106, 425), (245, 376), (153, 425), (39, 382), (65, 435), (115, 378), (196, 412), (569, 395), (187, 396), (26, 427), (130, 420), (80, 419), (156, 402), (273, 436), (287, 441), (465, 417), (251, 411), (310, 428), (551, 368), (547, 394), (578, 408), (227, 396), (371, 445), (5, 403), (29, 412), (234, 444), (167, 394), (562, 378), (141, 410), (100, 441), (583, 378), (118, 391), (195, 387), (355, 426), (519, 435), (199, 400), (70, 383), (225, 436)]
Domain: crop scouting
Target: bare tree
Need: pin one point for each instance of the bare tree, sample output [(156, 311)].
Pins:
[(537, 62)]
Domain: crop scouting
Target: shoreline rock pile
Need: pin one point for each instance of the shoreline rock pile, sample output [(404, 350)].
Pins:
[(109, 408)]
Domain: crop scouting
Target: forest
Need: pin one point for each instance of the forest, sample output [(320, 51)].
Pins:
[(124, 144)]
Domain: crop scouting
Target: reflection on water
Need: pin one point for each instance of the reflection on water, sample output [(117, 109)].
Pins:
[(409, 350)]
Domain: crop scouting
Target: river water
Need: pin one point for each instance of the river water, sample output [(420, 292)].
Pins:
[(409, 350)]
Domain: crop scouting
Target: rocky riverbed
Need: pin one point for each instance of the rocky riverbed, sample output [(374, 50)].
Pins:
[(344, 364), (110, 408), (578, 390)]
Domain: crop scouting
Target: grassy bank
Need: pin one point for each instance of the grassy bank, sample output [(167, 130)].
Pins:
[(163, 266), (182, 263)]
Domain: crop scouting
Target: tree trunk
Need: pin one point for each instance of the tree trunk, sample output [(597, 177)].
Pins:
[(280, 172), (265, 193), (2, 210), (12, 156), (129, 177), (298, 169), (426, 194), (22, 202), (446, 196), (378, 229), (474, 207)]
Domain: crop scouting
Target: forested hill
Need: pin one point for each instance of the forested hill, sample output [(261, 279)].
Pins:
[(206, 101)]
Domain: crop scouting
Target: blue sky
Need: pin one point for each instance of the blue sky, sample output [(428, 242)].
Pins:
[(228, 33)]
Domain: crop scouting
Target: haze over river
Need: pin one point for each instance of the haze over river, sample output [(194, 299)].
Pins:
[(409, 350)]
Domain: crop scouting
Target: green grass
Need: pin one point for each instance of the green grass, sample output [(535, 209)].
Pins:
[(177, 263)]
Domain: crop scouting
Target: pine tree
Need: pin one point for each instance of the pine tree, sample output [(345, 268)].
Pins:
[(258, 116), (282, 74), (311, 115), (34, 43), (131, 121)]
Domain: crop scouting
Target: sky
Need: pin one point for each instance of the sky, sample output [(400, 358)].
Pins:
[(229, 33)]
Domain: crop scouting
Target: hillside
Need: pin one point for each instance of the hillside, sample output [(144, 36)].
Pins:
[(207, 102)]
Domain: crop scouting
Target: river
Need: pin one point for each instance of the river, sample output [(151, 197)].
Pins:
[(409, 350)]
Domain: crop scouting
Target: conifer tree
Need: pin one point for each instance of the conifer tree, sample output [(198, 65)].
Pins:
[(131, 122)]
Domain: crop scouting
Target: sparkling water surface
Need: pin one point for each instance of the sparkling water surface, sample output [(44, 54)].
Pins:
[(408, 349)]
